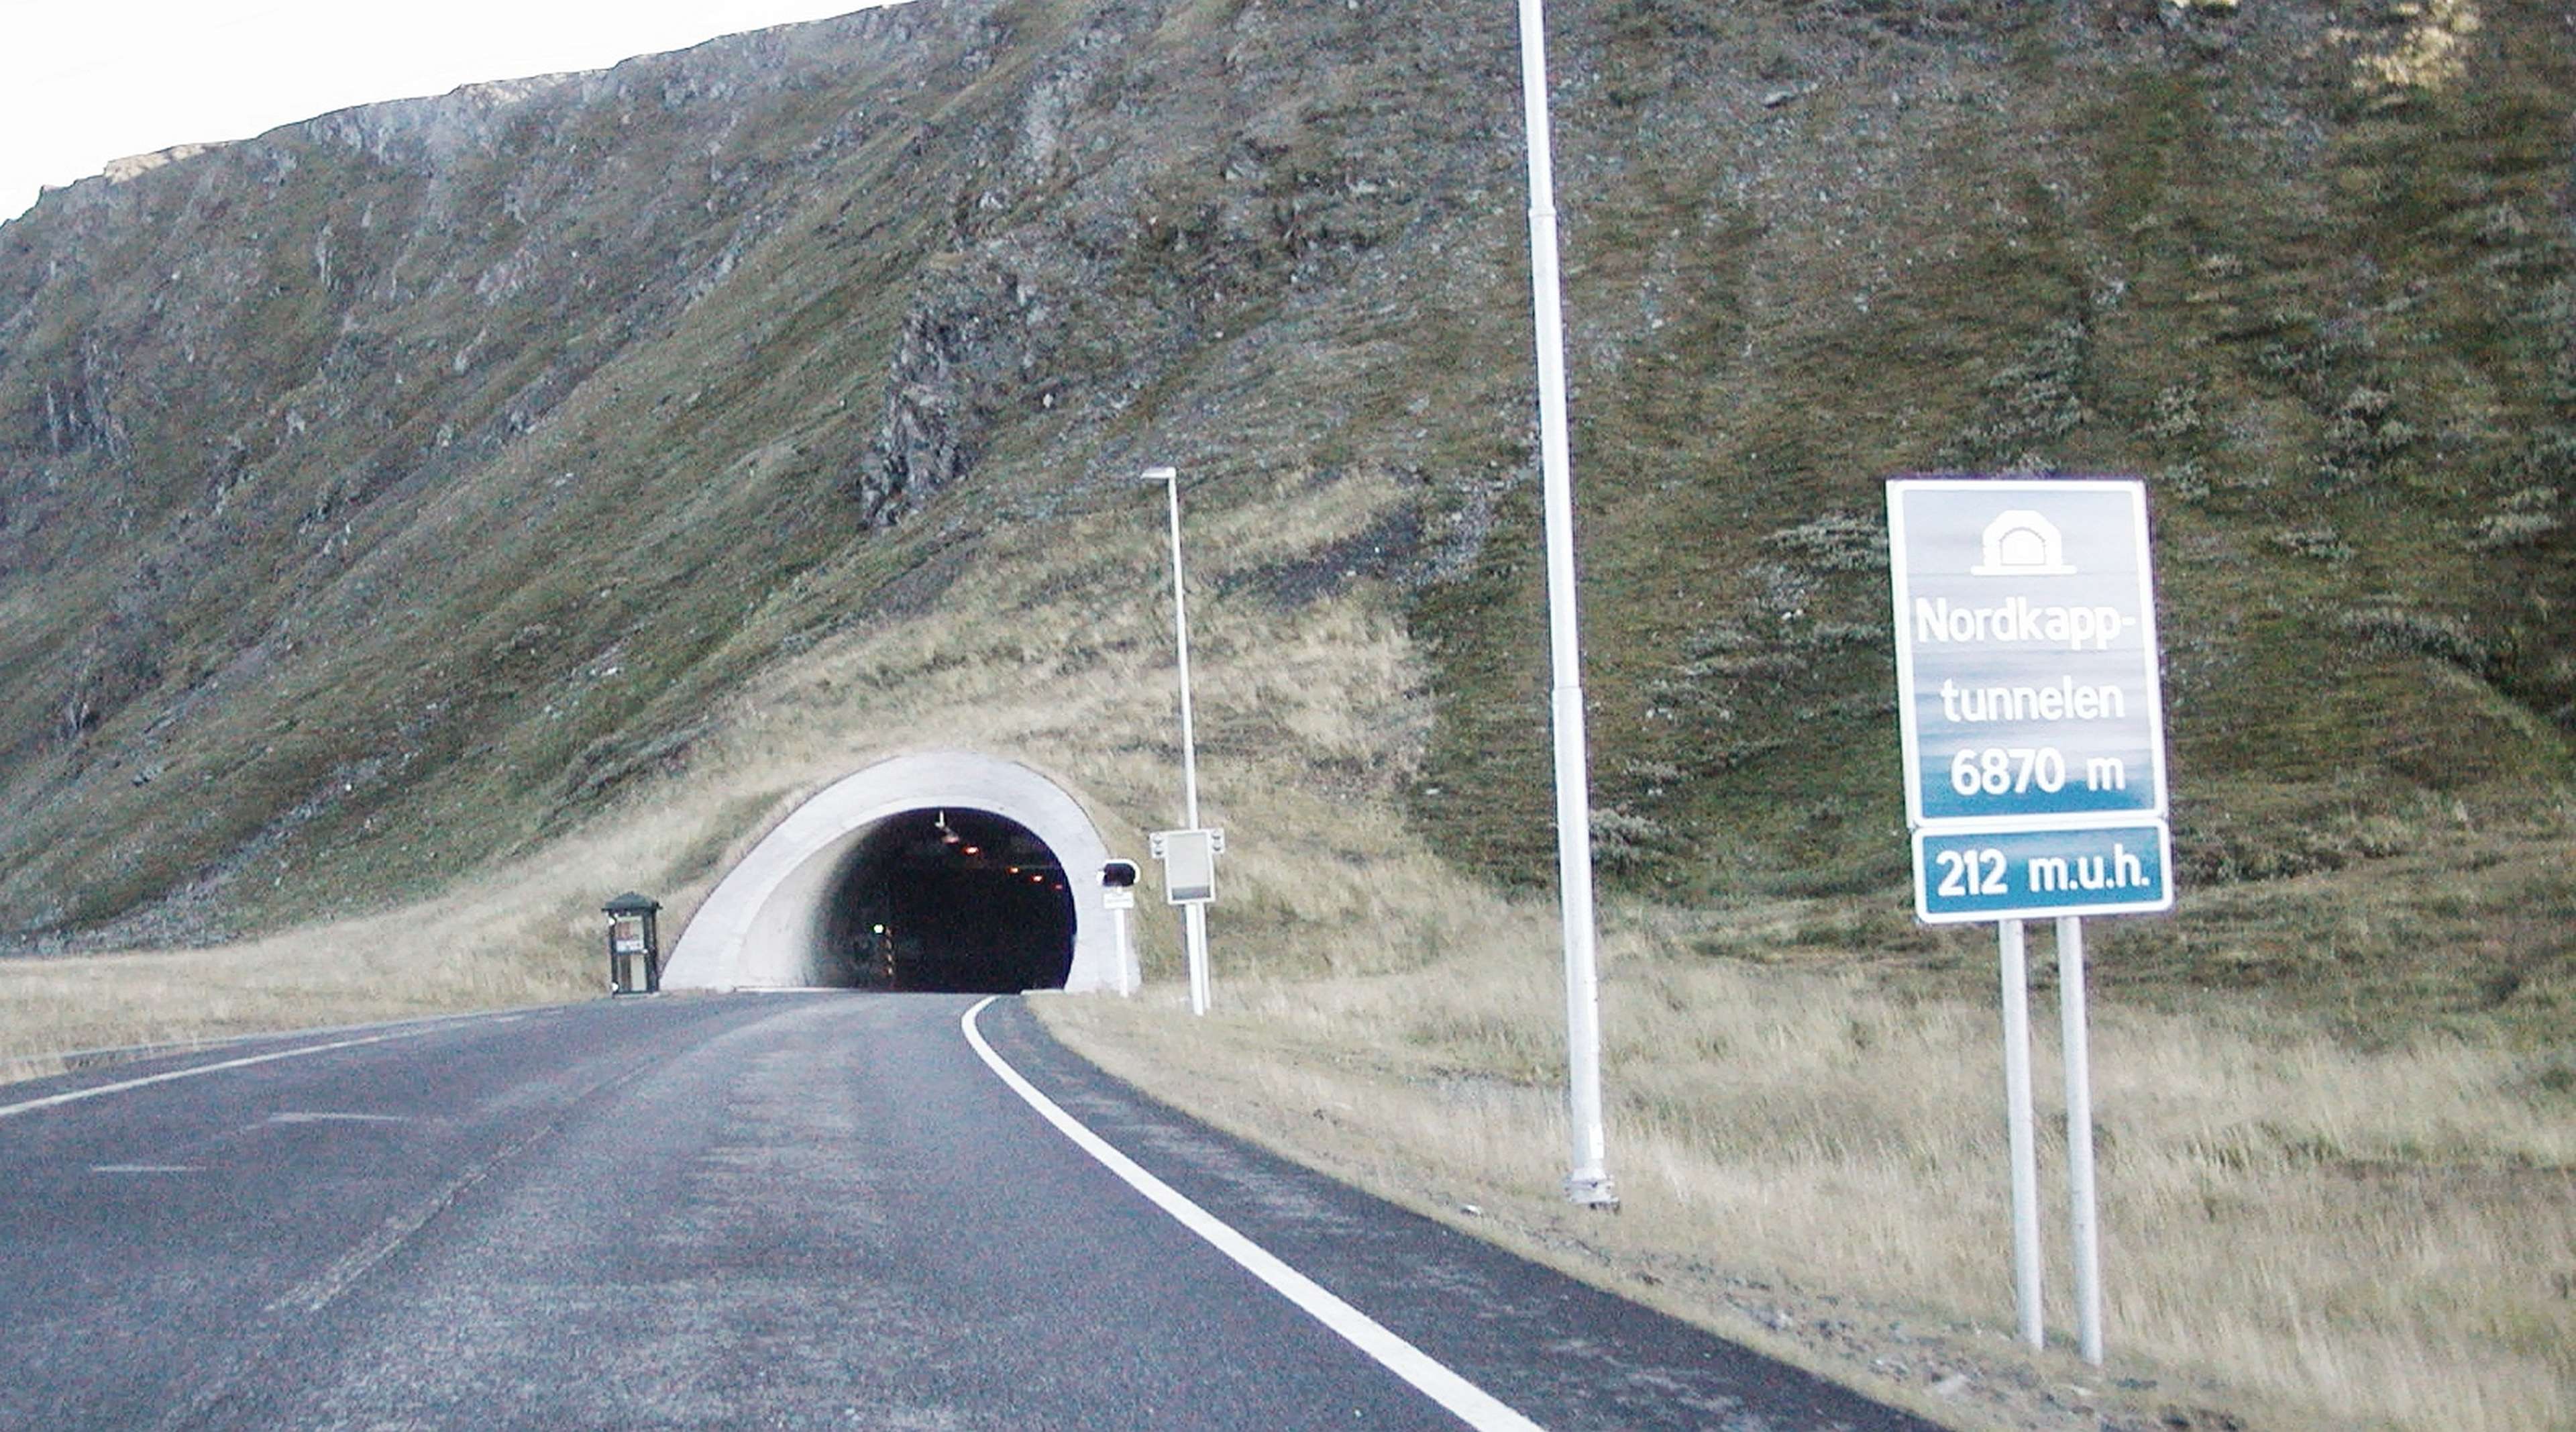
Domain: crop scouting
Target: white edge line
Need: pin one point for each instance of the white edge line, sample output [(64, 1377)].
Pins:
[(76, 1095), (128, 1053), (1471, 1404)]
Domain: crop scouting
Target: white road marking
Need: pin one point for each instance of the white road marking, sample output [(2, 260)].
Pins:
[(145, 1168), (1471, 1404), (79, 1058), (301, 1116), (75, 1096)]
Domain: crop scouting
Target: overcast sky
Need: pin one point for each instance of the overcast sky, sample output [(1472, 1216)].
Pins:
[(83, 82)]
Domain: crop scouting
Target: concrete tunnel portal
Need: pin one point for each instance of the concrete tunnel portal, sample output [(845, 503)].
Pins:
[(948, 871)]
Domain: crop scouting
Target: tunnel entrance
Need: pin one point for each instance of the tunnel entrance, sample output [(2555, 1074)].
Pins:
[(802, 907), (957, 901)]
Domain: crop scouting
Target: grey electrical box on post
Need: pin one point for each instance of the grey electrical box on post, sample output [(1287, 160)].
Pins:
[(1189, 864)]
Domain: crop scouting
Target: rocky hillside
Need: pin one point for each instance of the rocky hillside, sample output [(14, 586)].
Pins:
[(397, 491)]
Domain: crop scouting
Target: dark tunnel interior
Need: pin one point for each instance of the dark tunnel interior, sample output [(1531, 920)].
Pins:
[(956, 901)]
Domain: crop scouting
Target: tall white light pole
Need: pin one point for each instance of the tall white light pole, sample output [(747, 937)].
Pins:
[(1194, 914), (1589, 1181)]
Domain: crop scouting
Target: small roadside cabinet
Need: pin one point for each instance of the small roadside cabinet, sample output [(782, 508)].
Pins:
[(634, 948)]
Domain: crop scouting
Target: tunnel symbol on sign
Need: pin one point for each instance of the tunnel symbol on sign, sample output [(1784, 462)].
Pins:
[(2021, 543)]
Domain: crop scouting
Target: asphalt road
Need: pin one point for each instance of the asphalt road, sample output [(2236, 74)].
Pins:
[(813, 1210)]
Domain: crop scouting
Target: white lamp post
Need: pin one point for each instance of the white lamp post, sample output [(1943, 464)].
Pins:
[(1589, 1181), (1193, 913)]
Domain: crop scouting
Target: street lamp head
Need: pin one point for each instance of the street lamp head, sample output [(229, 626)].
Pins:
[(1157, 474)]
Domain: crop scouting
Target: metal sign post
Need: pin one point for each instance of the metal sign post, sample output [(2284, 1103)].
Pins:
[(2086, 1223), (1128, 980), (1587, 1181), (1118, 896), (2032, 718), (1190, 872), (2020, 1128)]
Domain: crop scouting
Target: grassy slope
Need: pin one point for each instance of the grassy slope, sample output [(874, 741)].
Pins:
[(2332, 330), (2330, 326), (401, 616)]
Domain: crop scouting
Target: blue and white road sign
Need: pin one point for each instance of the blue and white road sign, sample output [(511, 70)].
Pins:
[(2033, 726), (2028, 697), (2019, 873), (2026, 657)]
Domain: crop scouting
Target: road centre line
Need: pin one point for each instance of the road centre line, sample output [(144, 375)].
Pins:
[(1469, 1403), (74, 1096)]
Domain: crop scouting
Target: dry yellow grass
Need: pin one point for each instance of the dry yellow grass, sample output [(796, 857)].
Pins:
[(2301, 1233), (528, 935)]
